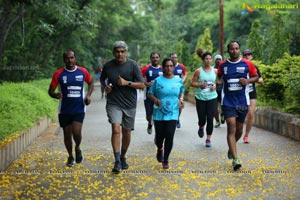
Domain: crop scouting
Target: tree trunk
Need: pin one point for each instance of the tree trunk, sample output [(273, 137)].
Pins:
[(7, 19)]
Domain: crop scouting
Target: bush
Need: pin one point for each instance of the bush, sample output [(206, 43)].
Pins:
[(21, 104), (281, 84)]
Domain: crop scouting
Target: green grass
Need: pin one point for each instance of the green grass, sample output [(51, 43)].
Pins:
[(21, 104)]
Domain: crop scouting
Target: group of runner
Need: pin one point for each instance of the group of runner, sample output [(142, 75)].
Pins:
[(230, 83)]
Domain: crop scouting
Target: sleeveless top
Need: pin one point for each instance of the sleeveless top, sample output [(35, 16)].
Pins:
[(210, 78)]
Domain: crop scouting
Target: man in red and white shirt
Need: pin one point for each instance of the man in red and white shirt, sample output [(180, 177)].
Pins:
[(237, 73), (70, 80)]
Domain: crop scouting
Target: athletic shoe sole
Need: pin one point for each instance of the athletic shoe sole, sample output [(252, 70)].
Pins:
[(237, 167)]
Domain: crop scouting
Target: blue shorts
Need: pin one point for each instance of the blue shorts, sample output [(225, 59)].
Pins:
[(239, 112), (67, 119), (148, 106)]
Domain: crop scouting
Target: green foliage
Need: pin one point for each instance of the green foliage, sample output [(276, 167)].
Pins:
[(272, 89), (277, 41), (187, 84), (281, 84), (293, 28), (21, 104), (255, 40), (290, 81), (183, 52), (204, 43)]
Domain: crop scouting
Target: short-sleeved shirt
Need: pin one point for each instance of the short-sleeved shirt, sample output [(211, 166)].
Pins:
[(123, 96), (234, 93), (167, 91), (71, 85), (150, 73), (179, 70)]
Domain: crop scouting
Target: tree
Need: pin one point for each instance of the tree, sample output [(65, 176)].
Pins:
[(255, 40), (277, 42), (294, 30), (10, 12), (204, 42), (34, 33), (52, 27), (183, 51)]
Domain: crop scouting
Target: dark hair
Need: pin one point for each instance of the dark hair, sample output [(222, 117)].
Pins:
[(170, 54), (154, 52), (202, 54), (233, 41), (65, 53), (166, 60)]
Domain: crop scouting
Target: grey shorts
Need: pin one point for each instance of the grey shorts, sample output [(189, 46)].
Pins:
[(124, 117)]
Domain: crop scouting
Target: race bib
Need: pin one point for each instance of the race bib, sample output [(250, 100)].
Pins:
[(208, 85), (234, 84)]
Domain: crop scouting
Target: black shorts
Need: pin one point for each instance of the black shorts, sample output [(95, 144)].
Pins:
[(253, 95), (67, 119)]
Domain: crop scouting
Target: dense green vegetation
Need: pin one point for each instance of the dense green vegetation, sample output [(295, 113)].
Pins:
[(34, 33), (281, 84), (22, 104)]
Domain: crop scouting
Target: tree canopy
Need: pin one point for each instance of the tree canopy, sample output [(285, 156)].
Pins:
[(34, 33)]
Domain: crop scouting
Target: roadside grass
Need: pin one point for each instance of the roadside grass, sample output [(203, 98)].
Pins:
[(21, 104)]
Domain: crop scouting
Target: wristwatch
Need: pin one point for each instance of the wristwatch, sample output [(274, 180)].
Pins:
[(129, 83)]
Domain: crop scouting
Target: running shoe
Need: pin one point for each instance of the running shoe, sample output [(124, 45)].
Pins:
[(229, 155), (117, 167), (208, 143), (222, 119), (217, 125), (124, 164), (70, 161), (246, 139), (200, 132), (149, 129), (159, 155), (165, 165), (78, 156), (236, 164), (178, 125)]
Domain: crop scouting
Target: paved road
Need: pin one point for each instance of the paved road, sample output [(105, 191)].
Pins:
[(271, 165)]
